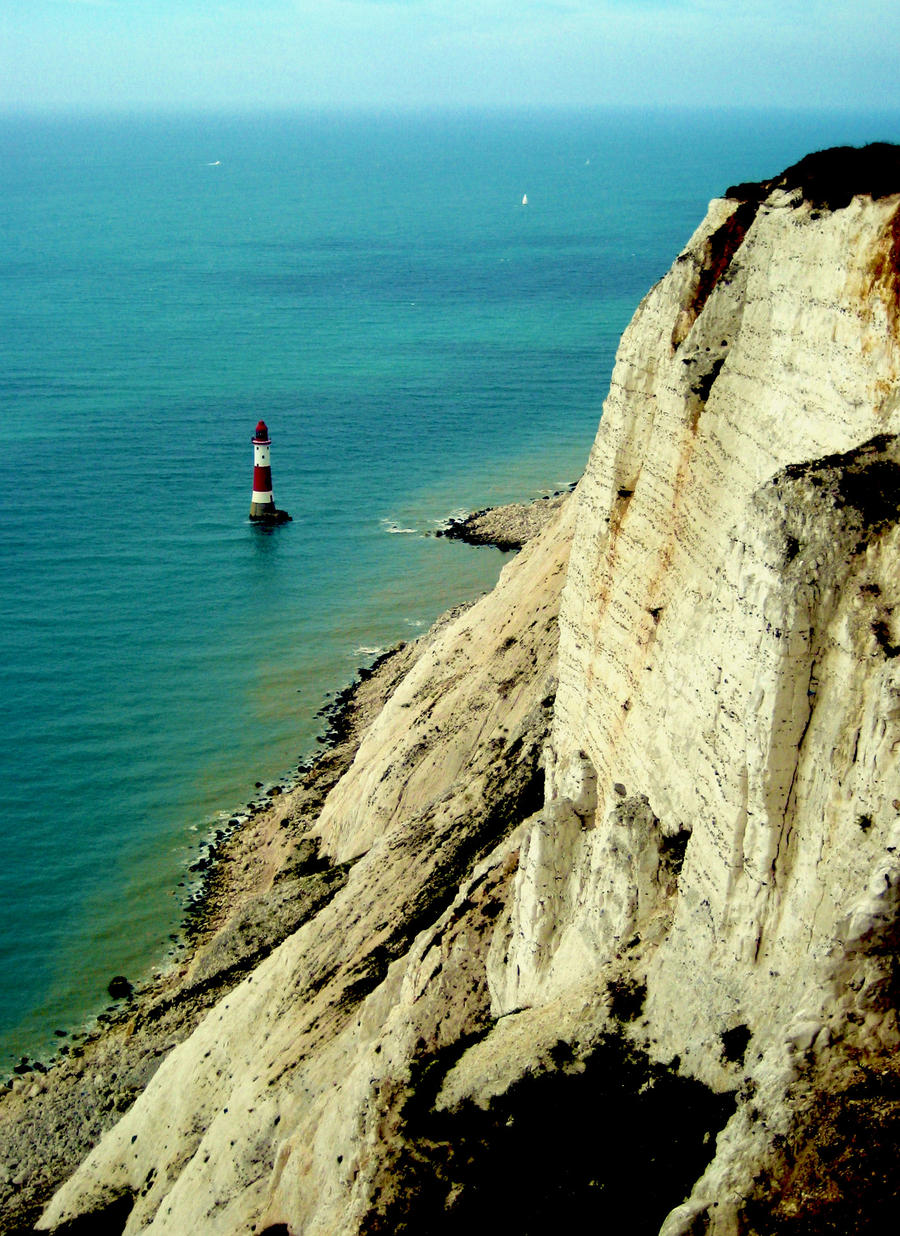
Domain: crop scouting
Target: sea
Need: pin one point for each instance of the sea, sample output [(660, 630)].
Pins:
[(420, 340)]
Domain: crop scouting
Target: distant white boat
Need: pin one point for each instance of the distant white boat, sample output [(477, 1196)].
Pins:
[(218, 163), (524, 199)]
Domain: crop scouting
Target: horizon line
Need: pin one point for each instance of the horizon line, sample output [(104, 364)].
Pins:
[(160, 110)]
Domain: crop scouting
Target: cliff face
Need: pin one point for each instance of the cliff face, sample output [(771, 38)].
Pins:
[(661, 893)]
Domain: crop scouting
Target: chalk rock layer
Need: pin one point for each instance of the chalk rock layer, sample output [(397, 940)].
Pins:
[(722, 792), (668, 899), (279, 1106)]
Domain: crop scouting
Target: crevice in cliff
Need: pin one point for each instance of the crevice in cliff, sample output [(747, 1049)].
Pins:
[(704, 380), (581, 1139), (784, 836), (703, 371), (718, 251)]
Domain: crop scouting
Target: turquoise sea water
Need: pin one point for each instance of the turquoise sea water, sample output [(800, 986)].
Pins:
[(418, 341)]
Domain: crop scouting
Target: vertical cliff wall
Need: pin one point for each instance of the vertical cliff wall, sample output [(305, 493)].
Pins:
[(723, 786), (660, 895)]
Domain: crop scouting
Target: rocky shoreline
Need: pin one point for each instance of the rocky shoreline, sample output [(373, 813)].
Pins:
[(507, 527), (260, 878)]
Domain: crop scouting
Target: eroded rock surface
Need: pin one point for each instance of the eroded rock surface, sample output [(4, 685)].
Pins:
[(652, 880)]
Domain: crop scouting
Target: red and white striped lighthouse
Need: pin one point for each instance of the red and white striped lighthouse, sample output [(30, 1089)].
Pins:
[(262, 504)]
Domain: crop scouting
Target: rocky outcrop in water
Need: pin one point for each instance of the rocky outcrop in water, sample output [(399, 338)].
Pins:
[(506, 527), (619, 928)]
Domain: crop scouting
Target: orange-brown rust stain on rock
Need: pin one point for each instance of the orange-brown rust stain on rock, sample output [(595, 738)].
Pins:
[(605, 570), (884, 271), (718, 252)]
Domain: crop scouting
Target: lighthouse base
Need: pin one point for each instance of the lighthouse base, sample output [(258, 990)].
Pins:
[(260, 514)]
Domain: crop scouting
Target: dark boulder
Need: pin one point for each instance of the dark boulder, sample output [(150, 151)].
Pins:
[(120, 988)]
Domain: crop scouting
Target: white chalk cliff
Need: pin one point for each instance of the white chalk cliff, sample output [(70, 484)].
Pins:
[(624, 913)]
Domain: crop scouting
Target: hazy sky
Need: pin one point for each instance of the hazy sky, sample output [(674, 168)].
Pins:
[(412, 53)]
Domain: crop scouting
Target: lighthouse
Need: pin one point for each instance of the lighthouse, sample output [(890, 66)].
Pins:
[(262, 504)]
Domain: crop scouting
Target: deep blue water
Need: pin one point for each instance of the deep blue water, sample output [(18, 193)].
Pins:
[(418, 343)]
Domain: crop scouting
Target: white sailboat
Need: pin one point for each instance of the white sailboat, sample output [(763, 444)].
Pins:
[(524, 199)]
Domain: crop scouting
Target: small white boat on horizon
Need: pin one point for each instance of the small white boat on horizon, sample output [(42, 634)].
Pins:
[(524, 199)]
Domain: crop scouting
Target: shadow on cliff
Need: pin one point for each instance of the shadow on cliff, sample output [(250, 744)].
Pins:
[(836, 1170), (107, 1220), (591, 1141)]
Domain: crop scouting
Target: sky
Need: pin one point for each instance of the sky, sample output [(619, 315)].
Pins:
[(402, 54)]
